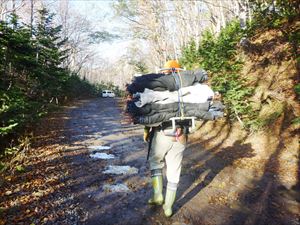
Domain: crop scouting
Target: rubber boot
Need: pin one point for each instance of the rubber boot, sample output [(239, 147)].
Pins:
[(157, 198), (169, 200)]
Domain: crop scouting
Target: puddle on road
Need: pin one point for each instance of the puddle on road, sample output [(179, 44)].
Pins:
[(115, 188), (99, 155), (99, 147), (121, 170), (86, 136)]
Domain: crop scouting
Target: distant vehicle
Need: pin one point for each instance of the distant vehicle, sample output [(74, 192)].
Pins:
[(108, 94)]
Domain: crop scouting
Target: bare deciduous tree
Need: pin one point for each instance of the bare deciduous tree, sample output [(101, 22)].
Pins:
[(9, 6), (170, 25)]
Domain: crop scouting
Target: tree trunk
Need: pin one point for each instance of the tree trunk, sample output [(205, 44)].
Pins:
[(31, 16)]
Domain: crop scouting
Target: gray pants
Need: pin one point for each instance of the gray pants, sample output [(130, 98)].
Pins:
[(165, 149)]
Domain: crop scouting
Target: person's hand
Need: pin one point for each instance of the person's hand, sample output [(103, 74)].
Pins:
[(146, 134)]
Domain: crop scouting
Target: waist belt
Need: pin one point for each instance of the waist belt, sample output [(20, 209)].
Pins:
[(185, 124)]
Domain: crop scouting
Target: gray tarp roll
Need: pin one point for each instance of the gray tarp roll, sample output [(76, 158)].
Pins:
[(204, 111), (165, 116), (162, 82), (153, 108)]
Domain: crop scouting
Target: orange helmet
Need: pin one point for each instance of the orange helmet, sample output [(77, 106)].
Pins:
[(171, 64)]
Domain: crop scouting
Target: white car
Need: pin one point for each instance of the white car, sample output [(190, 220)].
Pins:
[(108, 94)]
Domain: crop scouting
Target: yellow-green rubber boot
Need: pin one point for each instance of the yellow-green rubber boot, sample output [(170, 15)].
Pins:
[(157, 198), (169, 200)]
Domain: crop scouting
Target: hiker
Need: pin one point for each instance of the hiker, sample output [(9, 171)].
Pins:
[(165, 150), (155, 101)]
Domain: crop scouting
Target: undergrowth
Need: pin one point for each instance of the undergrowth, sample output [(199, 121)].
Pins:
[(218, 55)]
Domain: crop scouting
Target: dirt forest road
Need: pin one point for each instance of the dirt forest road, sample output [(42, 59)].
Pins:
[(97, 173)]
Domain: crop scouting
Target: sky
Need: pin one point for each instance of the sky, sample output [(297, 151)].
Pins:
[(100, 13)]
